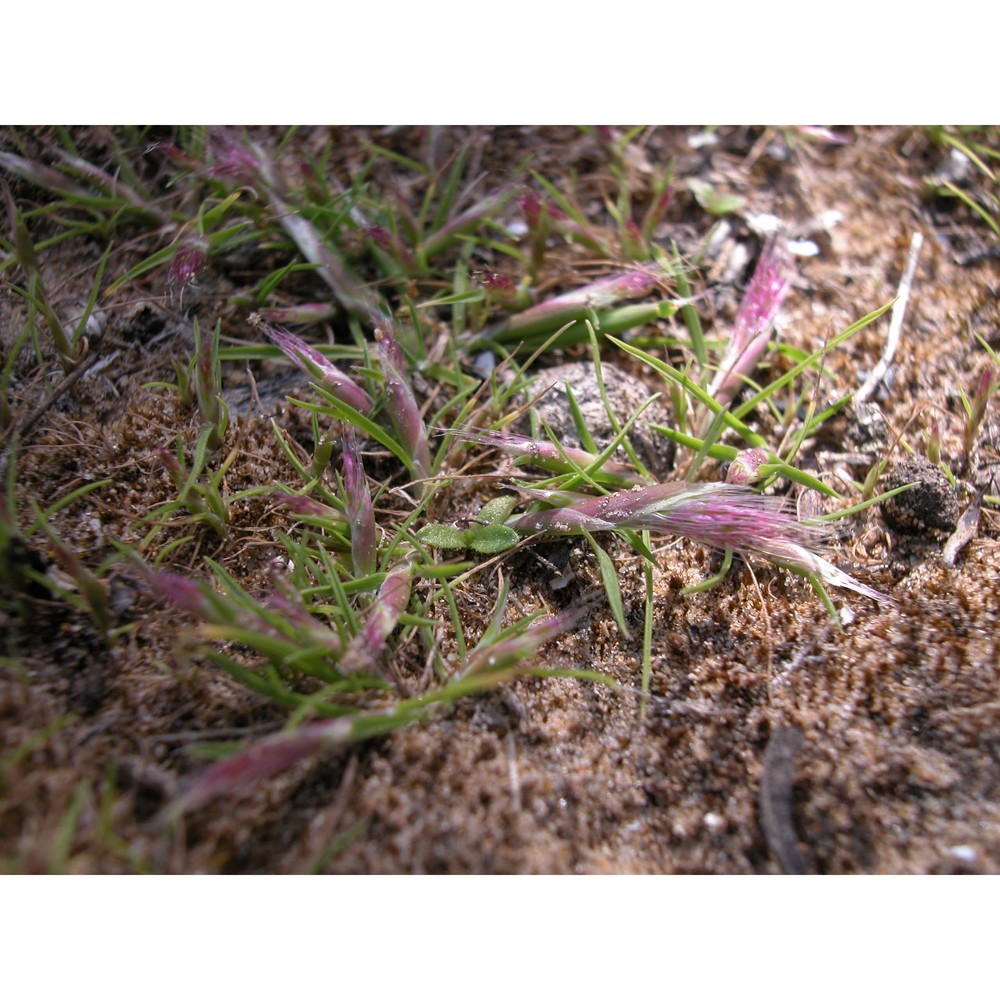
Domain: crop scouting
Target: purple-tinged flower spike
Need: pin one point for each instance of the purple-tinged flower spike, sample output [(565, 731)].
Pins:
[(351, 293), (303, 506), (301, 315), (537, 211), (208, 384), (721, 515), (607, 291), (286, 600), (188, 263), (222, 618), (501, 289), (745, 468), (542, 215), (402, 405), (358, 503), (173, 467), (383, 616), (497, 282), (112, 184), (194, 598), (547, 317), (986, 386), (752, 329), (392, 245), (232, 159), (36, 172), (262, 760), (625, 508), (452, 231), (349, 290), (546, 455), (297, 350), (508, 653)]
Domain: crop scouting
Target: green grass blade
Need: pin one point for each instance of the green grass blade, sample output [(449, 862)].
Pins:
[(609, 577)]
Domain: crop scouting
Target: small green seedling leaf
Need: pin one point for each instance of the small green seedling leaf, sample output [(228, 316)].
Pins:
[(497, 510), (493, 538), (711, 200), (443, 536)]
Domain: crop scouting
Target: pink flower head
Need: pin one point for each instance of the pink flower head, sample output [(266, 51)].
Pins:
[(717, 514), (358, 504), (763, 298), (497, 281), (304, 506), (259, 761), (189, 261), (380, 236), (764, 295), (297, 350), (184, 593), (383, 616), (174, 153), (508, 653), (232, 160), (745, 468), (545, 454), (401, 403), (535, 207), (531, 205)]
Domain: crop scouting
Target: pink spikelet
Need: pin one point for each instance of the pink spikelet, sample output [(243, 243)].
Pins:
[(188, 263), (401, 404), (360, 515), (752, 330), (297, 350), (722, 515)]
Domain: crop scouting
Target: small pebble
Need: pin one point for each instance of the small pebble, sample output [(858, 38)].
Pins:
[(963, 852), (803, 248), (714, 823)]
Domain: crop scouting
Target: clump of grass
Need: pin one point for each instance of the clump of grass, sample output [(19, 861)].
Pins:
[(491, 662), (24, 567), (69, 342), (199, 490)]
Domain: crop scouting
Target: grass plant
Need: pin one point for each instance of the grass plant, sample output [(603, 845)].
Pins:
[(374, 618)]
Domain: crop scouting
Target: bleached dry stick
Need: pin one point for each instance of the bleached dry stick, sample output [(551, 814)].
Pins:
[(895, 323)]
